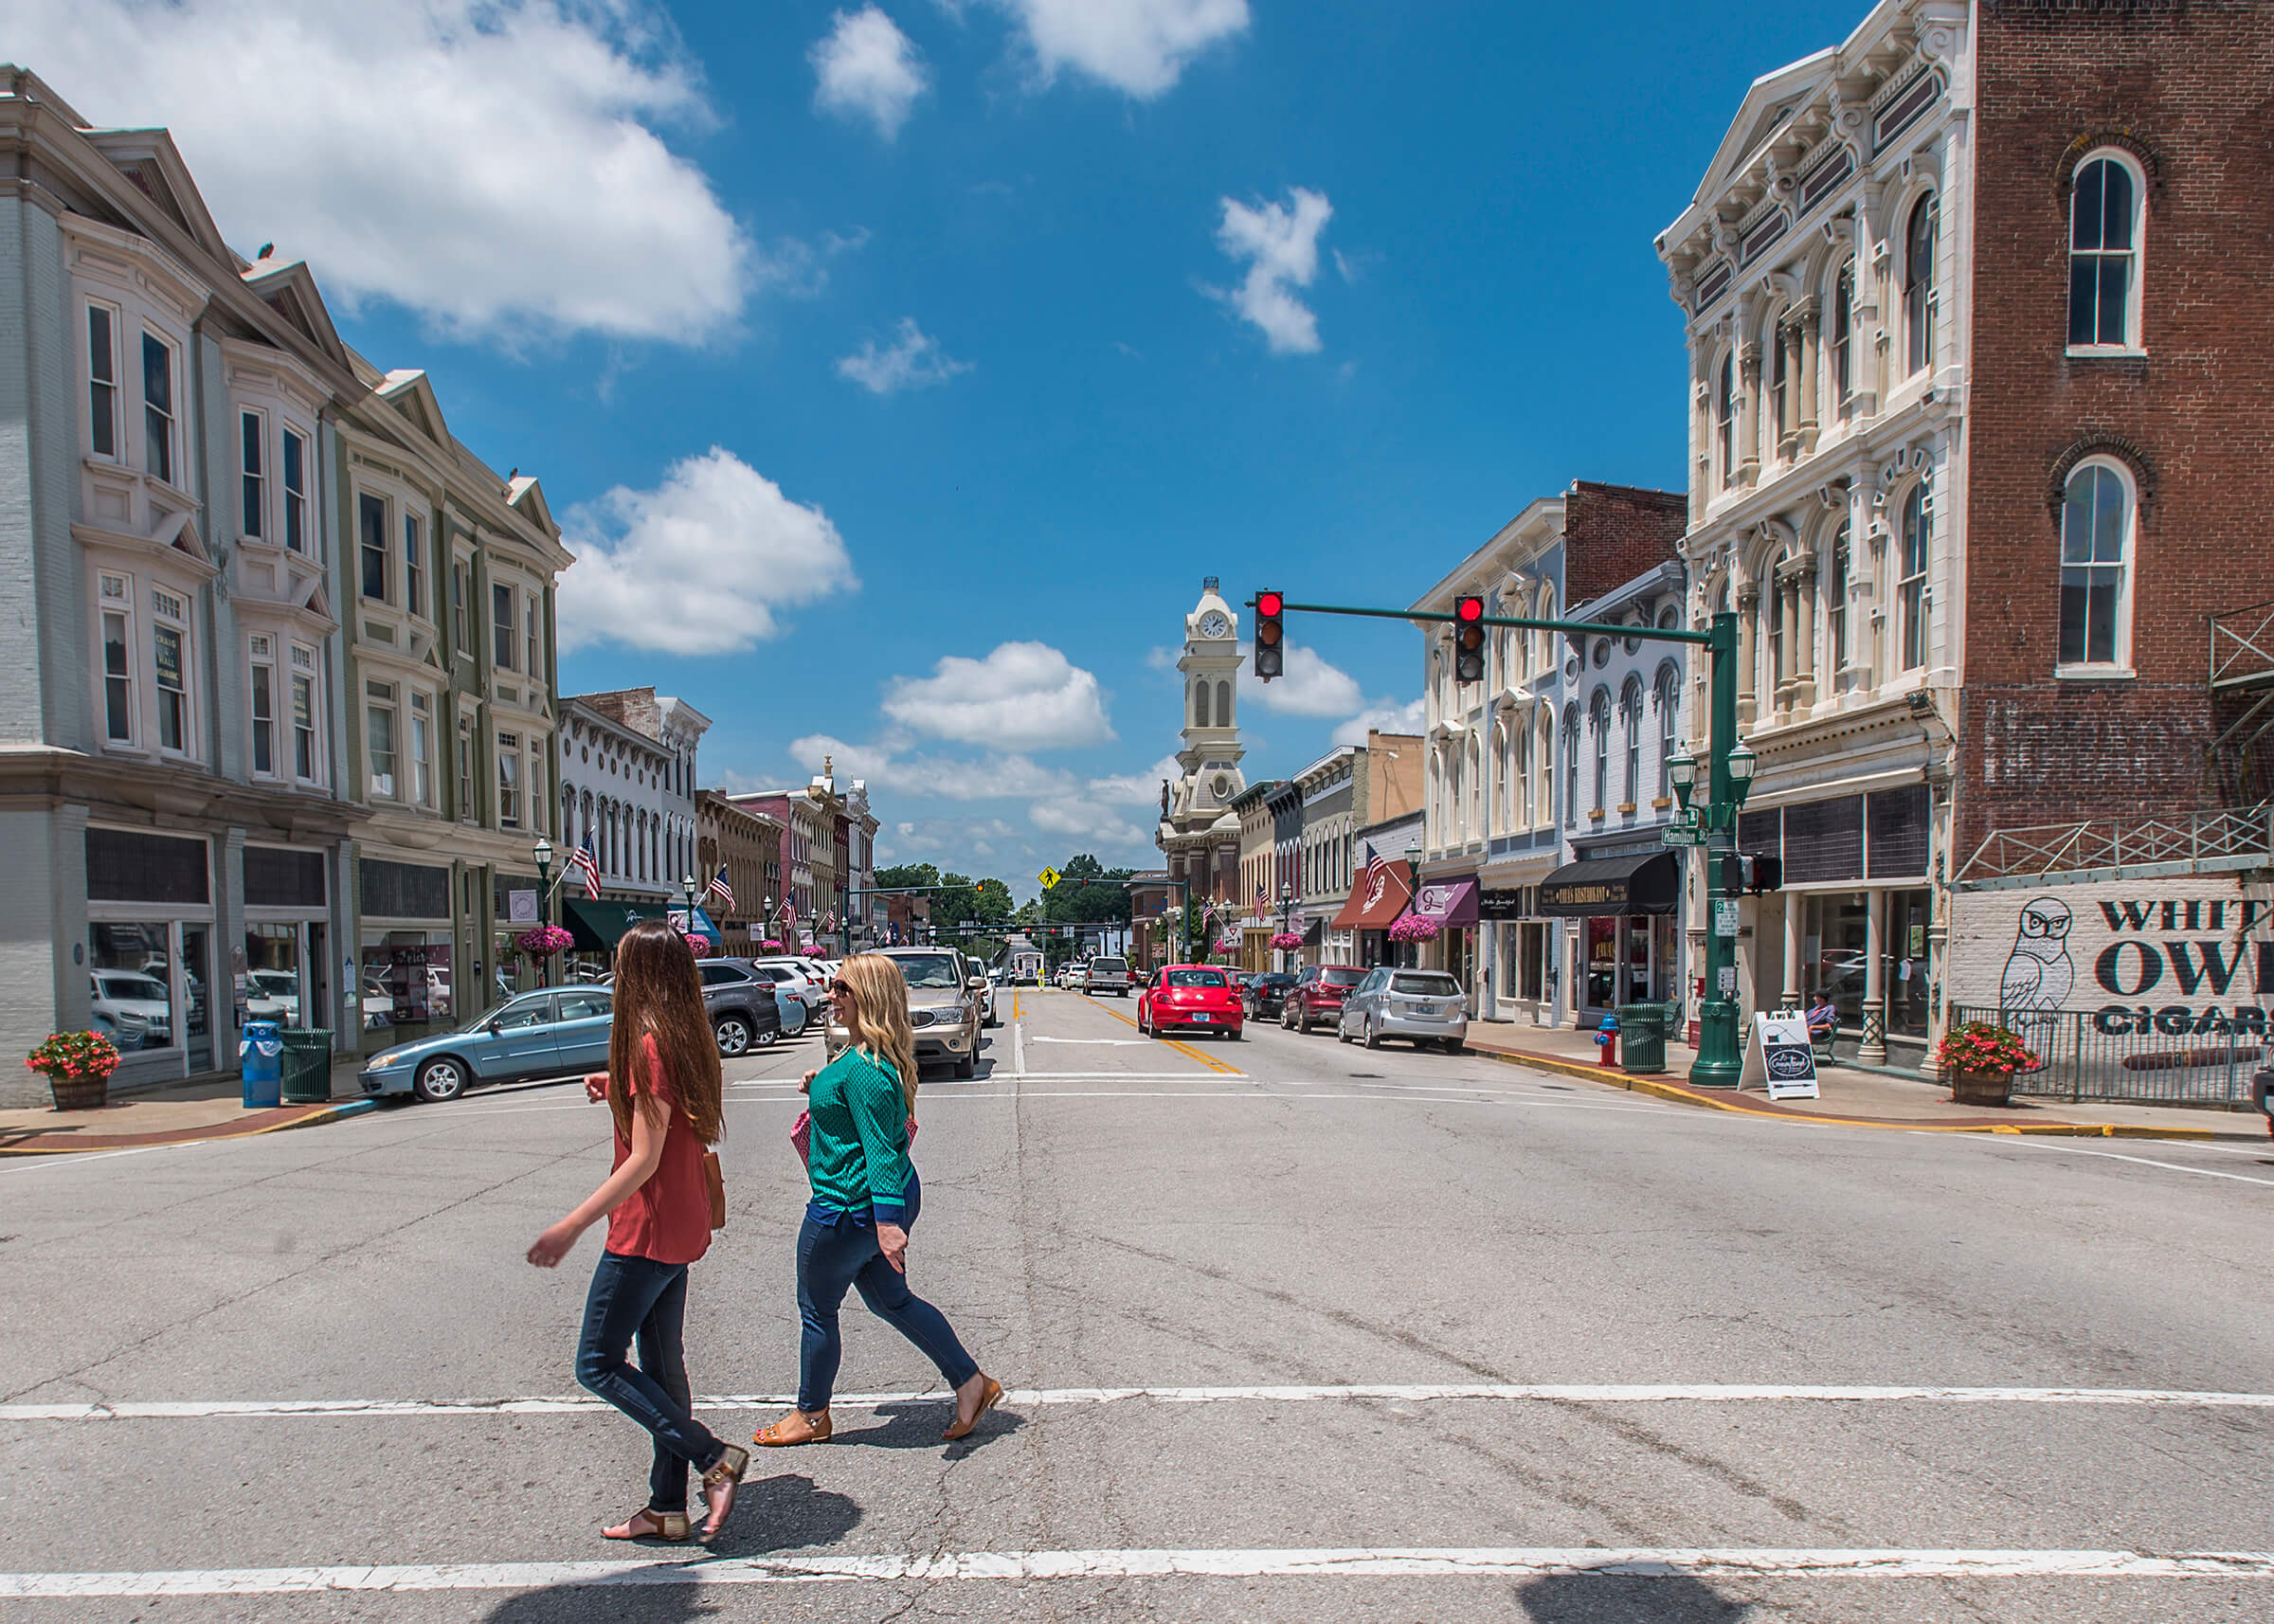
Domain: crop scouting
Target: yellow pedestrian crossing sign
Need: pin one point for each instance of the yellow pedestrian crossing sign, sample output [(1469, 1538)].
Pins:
[(1049, 879)]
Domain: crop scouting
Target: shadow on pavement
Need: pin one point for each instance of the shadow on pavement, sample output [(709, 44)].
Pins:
[(604, 1604), (783, 1512), (918, 1426), (1627, 1598)]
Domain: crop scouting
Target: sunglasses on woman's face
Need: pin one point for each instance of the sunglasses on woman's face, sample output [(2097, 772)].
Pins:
[(839, 990)]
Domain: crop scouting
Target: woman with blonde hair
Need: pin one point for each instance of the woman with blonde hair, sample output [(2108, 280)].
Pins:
[(863, 1109), (662, 1087)]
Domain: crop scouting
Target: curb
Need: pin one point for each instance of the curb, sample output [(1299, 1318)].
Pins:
[(193, 1135), (1677, 1094)]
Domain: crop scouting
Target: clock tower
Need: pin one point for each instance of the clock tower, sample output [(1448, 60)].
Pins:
[(1199, 831)]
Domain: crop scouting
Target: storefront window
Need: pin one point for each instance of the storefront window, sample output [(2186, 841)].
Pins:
[(1907, 914), (406, 990), (1602, 963), (130, 978), (196, 978), (272, 971)]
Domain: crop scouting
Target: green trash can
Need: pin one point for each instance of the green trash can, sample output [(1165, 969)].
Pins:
[(1642, 1033), (307, 1064)]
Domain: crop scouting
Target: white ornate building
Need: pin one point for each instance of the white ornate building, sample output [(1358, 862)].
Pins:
[(1199, 832), (1823, 269)]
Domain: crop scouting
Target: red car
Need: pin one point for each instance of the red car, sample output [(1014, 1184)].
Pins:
[(1317, 996), (1200, 998)]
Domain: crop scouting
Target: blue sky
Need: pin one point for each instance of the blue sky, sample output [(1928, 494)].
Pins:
[(852, 340)]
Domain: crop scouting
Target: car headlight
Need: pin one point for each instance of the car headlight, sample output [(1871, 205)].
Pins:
[(381, 1062)]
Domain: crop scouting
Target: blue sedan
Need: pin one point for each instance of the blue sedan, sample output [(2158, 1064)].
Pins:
[(562, 1032)]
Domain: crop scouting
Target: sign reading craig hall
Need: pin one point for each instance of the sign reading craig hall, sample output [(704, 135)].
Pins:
[(2143, 956)]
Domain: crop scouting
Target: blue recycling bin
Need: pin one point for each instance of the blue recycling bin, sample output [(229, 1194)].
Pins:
[(261, 1051)]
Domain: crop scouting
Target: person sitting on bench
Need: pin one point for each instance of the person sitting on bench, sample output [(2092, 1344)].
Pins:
[(1823, 1022)]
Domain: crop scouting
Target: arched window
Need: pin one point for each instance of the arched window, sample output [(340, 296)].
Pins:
[(1519, 742), (1780, 381), (1200, 704), (1223, 704), (1668, 697), (1919, 300), (1473, 820), (1835, 601), (1504, 768), (1910, 585), (1571, 765), (1629, 708), (1547, 639), (1544, 757), (1598, 721), (1843, 340), (1724, 419), (2104, 240), (2096, 568), (1772, 627)]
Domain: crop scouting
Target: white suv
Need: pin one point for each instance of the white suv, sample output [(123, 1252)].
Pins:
[(1106, 974)]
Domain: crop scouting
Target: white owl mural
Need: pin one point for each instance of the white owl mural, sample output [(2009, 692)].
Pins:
[(2039, 973)]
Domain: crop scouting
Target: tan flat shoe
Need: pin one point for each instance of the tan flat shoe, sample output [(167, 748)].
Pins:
[(990, 1395), (720, 1485), (798, 1427), (670, 1527)]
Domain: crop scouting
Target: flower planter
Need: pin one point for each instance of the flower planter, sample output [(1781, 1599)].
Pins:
[(80, 1094), (1981, 1088)]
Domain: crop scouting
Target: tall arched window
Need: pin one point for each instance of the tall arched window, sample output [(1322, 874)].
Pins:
[(1571, 763), (1835, 601), (2103, 241), (2096, 568), (1503, 766), (1200, 704), (1843, 340), (1223, 704), (1547, 639), (1598, 721), (1630, 709), (1919, 298), (1473, 822), (1544, 757), (1520, 740), (1780, 381), (1668, 697), (1772, 622), (1910, 584), (1724, 419)]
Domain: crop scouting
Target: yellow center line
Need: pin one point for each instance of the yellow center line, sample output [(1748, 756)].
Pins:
[(1208, 1060)]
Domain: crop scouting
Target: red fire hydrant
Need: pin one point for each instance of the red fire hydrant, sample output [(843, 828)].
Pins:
[(1606, 1038)]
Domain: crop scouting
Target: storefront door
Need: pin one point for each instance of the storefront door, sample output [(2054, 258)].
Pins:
[(1602, 969), (197, 994)]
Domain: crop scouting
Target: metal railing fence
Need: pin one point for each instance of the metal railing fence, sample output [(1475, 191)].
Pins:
[(2227, 837), (2133, 1057)]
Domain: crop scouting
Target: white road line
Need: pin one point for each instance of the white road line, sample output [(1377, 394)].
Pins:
[(1018, 1048), (80, 1158), (2145, 1162), (1031, 1398), (1099, 1042), (1353, 1562)]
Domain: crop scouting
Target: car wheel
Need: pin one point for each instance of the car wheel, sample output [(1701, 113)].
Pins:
[(765, 1039), (1286, 1018), (1373, 1037), (1342, 1033), (795, 1028), (1231, 1035), (442, 1078), (1303, 1021), (1454, 1046), (965, 1068), (734, 1034)]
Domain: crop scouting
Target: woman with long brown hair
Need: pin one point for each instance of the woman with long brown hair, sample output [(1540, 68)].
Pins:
[(863, 1106), (664, 1089)]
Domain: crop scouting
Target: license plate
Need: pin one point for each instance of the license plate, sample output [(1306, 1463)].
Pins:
[(1203, 1019), (1422, 1009)]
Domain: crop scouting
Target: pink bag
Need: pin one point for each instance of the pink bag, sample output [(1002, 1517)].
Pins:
[(800, 1135)]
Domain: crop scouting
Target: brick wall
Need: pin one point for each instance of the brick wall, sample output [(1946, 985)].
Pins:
[(1615, 533), (2184, 88)]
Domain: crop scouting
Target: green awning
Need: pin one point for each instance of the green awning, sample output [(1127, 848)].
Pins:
[(596, 926)]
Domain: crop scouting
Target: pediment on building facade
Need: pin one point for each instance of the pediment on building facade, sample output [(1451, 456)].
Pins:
[(179, 531), (149, 159), (288, 287), (1768, 106), (410, 392), (527, 497)]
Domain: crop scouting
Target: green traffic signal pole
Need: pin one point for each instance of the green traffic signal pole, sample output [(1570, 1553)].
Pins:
[(1719, 1058)]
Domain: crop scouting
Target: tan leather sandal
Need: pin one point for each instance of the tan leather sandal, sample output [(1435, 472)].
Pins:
[(798, 1427), (645, 1523), (720, 1485), (990, 1395)]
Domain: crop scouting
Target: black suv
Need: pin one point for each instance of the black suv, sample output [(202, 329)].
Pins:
[(1266, 994), (744, 1013)]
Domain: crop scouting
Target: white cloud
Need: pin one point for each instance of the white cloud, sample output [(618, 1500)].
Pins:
[(1022, 697), (914, 360), (1280, 245), (491, 164), (990, 778), (700, 565), (1140, 46), (866, 68), (1137, 788), (1385, 718), (1086, 820), (1307, 685)]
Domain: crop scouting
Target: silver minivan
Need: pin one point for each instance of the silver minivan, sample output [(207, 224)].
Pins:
[(1425, 1005)]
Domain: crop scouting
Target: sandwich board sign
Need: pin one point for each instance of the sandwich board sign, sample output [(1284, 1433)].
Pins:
[(1778, 1057)]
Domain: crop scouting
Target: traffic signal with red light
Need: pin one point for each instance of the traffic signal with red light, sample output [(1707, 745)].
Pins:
[(1469, 641), (1271, 635)]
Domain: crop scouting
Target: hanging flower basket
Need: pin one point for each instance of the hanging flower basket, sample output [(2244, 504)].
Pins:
[(78, 1066), (1286, 941), (1980, 1060), (769, 946), (544, 941), (699, 943), (1412, 928)]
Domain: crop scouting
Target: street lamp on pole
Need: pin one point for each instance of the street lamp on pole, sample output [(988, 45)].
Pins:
[(1286, 905), (543, 853), (687, 885)]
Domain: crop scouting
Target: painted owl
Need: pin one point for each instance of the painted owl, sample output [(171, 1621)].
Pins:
[(2039, 972)]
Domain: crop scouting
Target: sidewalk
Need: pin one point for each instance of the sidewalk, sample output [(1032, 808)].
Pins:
[(1852, 1098), (207, 1108)]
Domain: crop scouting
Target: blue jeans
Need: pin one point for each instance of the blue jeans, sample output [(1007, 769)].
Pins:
[(836, 1250), (639, 1298)]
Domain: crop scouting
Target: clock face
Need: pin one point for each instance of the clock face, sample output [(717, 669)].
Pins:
[(1213, 624)]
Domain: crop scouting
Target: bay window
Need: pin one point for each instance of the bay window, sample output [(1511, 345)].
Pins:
[(371, 526), (170, 647), (466, 768), (103, 380), (158, 406), (532, 667), (296, 491), (379, 738), (264, 690), (501, 626), (118, 659), (304, 715), (509, 780), (414, 566), (421, 751), (252, 474)]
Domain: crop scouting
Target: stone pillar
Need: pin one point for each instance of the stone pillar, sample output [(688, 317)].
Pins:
[(1795, 906), (1748, 414), (1787, 419), (1748, 648), (1804, 621), (1788, 627), (1873, 1050)]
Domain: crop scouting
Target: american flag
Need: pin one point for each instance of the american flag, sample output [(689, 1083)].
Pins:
[(1376, 868), (721, 888), (581, 861)]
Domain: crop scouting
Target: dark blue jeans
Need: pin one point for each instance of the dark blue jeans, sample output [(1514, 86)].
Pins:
[(838, 1250), (637, 1298)]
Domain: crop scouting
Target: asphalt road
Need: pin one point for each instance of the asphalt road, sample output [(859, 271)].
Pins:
[(1298, 1331)]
